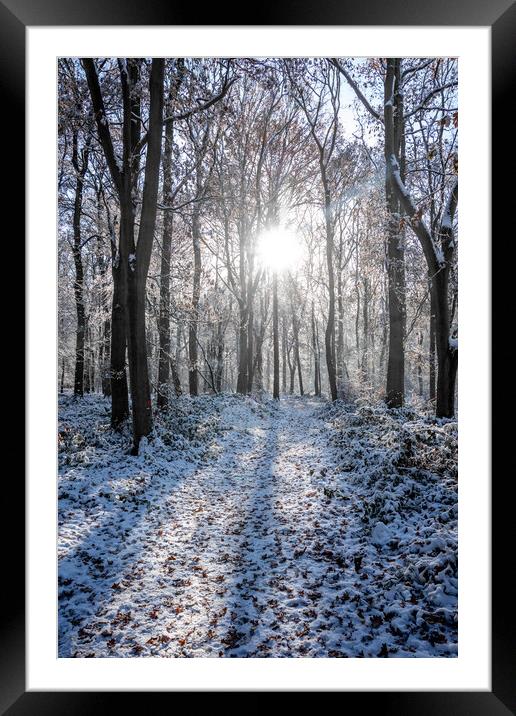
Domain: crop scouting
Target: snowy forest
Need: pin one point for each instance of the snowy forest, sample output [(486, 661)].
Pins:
[(257, 358)]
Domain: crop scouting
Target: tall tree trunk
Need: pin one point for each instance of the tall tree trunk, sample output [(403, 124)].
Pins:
[(283, 355), (297, 356), (78, 387), (242, 350), (164, 357), (365, 328), (275, 338), (138, 264), (193, 352), (292, 370), (419, 363), (119, 393), (118, 371), (259, 337), (86, 352), (357, 324), (431, 349), (395, 250), (250, 338), (447, 355), (329, 336), (220, 357), (340, 335), (105, 376), (165, 361), (80, 171), (315, 348)]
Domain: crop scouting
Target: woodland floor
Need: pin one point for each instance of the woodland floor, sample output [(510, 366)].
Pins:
[(251, 529)]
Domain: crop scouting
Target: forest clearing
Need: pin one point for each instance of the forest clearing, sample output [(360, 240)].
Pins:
[(258, 353)]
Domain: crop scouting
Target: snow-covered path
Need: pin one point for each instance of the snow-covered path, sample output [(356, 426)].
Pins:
[(247, 554)]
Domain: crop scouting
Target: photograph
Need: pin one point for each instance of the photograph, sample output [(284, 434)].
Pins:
[(257, 357)]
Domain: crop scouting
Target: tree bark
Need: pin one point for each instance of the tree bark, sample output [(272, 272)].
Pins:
[(315, 348), (164, 357), (193, 352), (329, 336), (118, 371), (119, 392), (395, 251), (242, 350), (283, 355), (297, 355), (431, 349), (63, 367), (340, 332), (275, 338), (365, 330), (138, 264), (419, 363), (80, 172)]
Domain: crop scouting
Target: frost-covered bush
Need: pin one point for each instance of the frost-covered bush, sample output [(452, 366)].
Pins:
[(398, 469)]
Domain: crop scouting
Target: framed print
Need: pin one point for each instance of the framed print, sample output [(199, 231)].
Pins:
[(248, 272)]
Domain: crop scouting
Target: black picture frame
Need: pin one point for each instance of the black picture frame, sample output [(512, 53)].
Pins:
[(500, 15)]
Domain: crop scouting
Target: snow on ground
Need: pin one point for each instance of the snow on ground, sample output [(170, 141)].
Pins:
[(251, 529)]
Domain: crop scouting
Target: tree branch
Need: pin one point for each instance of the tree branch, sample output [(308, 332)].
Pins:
[(334, 61), (101, 120)]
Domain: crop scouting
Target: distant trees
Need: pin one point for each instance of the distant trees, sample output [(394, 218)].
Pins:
[(173, 171), (76, 127), (314, 91)]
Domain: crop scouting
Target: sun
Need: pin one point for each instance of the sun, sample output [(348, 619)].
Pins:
[(278, 249)]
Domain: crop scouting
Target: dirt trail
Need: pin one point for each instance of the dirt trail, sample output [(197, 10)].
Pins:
[(235, 566), (271, 546)]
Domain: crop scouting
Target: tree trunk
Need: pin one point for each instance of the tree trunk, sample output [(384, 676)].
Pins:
[(86, 362), (242, 351), (340, 336), (63, 366), (106, 377), (250, 340), (275, 338), (119, 395), (315, 348), (283, 355), (80, 171), (395, 250), (329, 336), (365, 330), (118, 372), (292, 371), (138, 265), (357, 324), (78, 388), (297, 356), (219, 356), (431, 349), (165, 361), (447, 356), (419, 363), (164, 357)]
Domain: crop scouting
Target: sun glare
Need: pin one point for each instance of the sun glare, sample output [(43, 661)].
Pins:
[(279, 249)]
